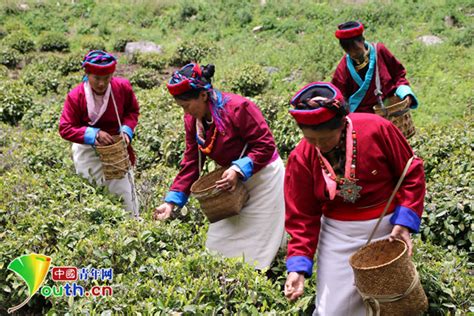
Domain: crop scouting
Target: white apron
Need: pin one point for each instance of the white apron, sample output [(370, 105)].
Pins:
[(257, 233), (88, 165), (336, 293)]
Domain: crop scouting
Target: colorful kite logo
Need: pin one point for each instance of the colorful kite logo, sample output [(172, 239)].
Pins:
[(32, 269)]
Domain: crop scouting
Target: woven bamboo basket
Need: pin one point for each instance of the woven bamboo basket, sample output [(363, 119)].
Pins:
[(217, 204), (387, 279), (398, 112), (114, 158)]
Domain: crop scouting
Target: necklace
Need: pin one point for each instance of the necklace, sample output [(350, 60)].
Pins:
[(349, 190), (207, 150)]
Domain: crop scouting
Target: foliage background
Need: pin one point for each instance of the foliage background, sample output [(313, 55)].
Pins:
[(163, 267)]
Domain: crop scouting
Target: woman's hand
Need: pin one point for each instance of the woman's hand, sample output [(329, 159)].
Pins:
[(294, 286), (228, 181), (410, 100), (103, 139), (403, 233), (163, 211), (127, 139)]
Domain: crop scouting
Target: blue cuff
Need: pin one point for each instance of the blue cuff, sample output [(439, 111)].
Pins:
[(245, 165), (403, 91), (406, 217), (300, 264), (177, 198), (90, 135), (127, 130)]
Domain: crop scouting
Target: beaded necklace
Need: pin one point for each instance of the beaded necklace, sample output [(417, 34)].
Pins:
[(207, 150), (348, 189)]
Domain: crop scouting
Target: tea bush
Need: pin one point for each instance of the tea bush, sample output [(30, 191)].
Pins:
[(15, 99), (9, 57), (150, 60), (145, 78), (42, 78), (192, 51), (250, 80), (163, 268), (92, 42), (448, 162), (3, 71), (21, 41), (52, 41)]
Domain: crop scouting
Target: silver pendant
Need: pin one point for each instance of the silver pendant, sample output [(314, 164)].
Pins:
[(349, 190)]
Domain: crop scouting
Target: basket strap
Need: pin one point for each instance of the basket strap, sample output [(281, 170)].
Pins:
[(378, 86), (129, 175), (391, 198), (372, 302), (118, 117)]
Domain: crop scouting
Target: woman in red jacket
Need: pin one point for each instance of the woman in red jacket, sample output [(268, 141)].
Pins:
[(89, 118), (232, 131), (355, 76), (337, 183)]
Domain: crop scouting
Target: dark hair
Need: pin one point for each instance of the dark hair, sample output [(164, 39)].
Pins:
[(334, 123), (207, 74), (350, 43)]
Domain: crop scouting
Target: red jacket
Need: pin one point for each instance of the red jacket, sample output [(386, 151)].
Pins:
[(382, 153), (392, 76), (242, 123), (74, 121)]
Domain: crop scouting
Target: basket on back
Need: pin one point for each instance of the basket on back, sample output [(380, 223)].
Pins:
[(398, 112), (217, 204), (114, 158), (387, 279)]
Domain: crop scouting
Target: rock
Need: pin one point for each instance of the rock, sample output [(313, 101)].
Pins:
[(449, 21), (271, 70), (295, 75), (142, 47), (23, 7), (257, 29), (429, 40)]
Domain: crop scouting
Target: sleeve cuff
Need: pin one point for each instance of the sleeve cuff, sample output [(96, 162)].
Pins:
[(300, 264), (245, 165), (90, 135), (177, 198), (403, 91), (406, 217), (127, 130)]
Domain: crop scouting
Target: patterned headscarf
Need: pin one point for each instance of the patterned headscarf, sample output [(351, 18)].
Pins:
[(316, 103), (190, 77), (99, 63)]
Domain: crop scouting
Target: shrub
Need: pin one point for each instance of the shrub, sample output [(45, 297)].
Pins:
[(250, 80), (121, 42), (44, 114), (3, 71), (150, 60), (448, 163), (3, 32), (91, 42), (145, 78), (53, 41), (9, 57), (42, 78), (21, 41), (161, 136), (445, 277), (191, 51), (15, 99)]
